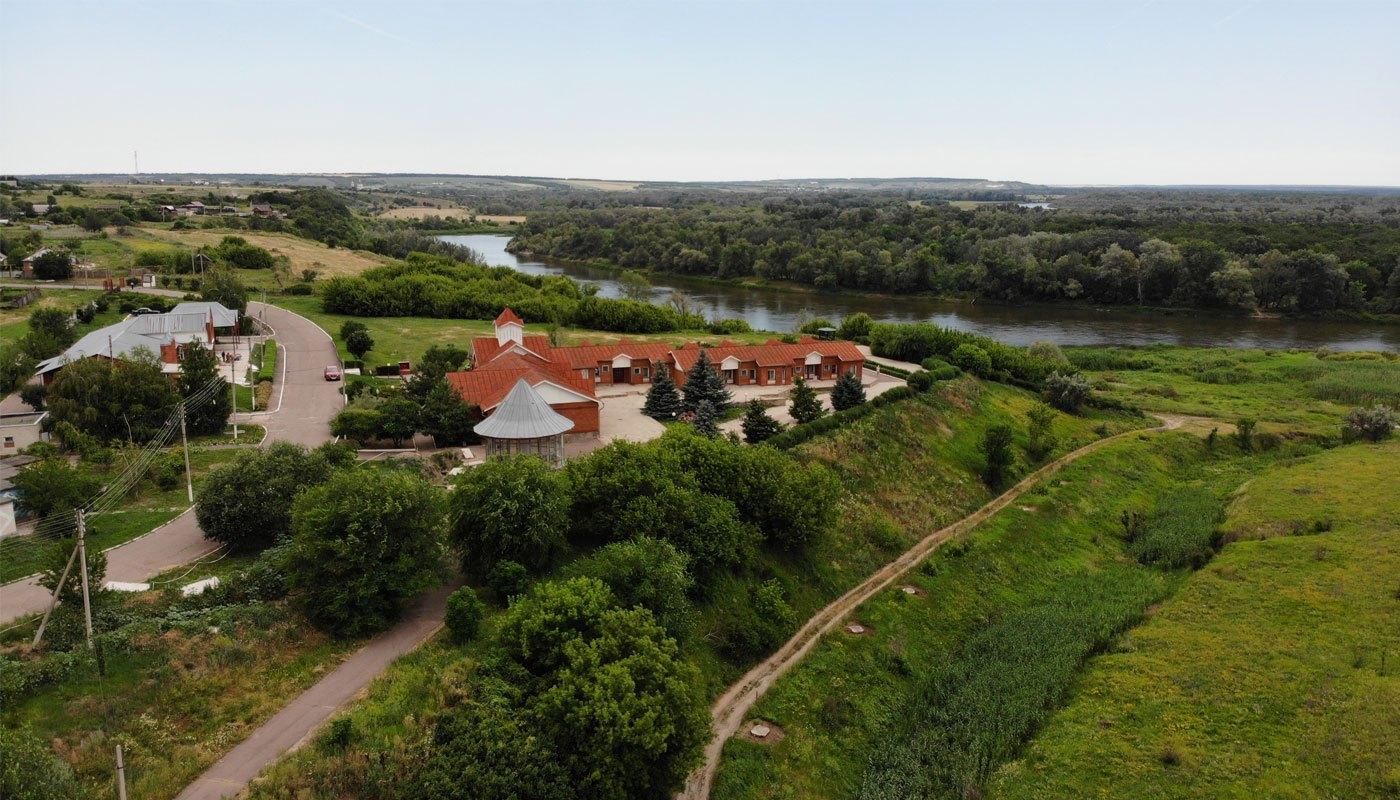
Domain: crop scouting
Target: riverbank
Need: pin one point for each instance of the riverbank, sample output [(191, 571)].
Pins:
[(784, 306)]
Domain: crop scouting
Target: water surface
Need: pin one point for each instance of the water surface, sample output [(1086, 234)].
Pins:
[(783, 310)]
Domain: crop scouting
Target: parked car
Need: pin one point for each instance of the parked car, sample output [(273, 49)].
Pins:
[(143, 311), (333, 373)]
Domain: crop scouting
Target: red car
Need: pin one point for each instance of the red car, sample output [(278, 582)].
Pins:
[(333, 373)]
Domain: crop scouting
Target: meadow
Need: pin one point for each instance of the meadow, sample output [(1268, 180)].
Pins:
[(953, 677), (1271, 673), (1293, 390)]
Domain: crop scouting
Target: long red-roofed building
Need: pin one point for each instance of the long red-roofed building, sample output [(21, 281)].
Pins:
[(566, 376)]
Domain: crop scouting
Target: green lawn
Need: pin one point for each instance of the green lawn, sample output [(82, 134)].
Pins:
[(1272, 673), (400, 338), (1285, 390)]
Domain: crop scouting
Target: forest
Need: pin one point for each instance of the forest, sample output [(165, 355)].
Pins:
[(1242, 257)]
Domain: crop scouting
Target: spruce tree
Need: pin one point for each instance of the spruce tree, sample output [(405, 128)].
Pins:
[(663, 401), (757, 424), (706, 420), (805, 406), (848, 393), (703, 382)]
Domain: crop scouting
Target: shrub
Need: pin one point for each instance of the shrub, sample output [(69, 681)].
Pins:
[(757, 425), (921, 381), (1067, 392), (1371, 424), (513, 509), (1244, 433), (856, 326), (798, 434), (1039, 431), (803, 404), (1049, 352), (997, 455), (29, 770), (508, 578), (940, 370), (724, 327), (247, 504), (972, 358), (364, 543), (464, 613), (645, 572)]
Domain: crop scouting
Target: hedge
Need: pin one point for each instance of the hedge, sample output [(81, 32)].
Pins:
[(800, 433)]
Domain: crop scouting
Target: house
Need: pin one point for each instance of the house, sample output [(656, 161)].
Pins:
[(39, 209), (10, 466), (19, 430), (264, 210), (192, 208), (774, 362), (164, 335)]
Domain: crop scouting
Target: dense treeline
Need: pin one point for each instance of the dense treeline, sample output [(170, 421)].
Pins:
[(1119, 257), (433, 286)]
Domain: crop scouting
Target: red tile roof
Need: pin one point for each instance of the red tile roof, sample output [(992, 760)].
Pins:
[(772, 354), (486, 388), (509, 316), (589, 356), (486, 348)]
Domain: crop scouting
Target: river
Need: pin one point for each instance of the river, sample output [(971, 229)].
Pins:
[(781, 310)]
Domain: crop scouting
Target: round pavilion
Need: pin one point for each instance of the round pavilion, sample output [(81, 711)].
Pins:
[(524, 424)]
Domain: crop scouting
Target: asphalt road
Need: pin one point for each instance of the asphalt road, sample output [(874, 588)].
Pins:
[(303, 415)]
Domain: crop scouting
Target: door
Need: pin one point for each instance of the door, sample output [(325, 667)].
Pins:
[(620, 375)]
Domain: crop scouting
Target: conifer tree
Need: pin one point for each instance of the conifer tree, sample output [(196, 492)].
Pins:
[(804, 405), (703, 382), (706, 420), (663, 401), (757, 424), (848, 393)]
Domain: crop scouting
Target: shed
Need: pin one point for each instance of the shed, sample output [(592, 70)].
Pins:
[(524, 424)]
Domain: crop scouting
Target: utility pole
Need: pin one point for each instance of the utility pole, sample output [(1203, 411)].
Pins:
[(82, 556), (62, 579), (184, 440), (121, 775)]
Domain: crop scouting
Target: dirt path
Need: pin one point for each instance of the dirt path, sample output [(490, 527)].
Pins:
[(732, 708)]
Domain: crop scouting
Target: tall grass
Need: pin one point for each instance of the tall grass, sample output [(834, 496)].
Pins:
[(1358, 382), (975, 711), (1179, 532)]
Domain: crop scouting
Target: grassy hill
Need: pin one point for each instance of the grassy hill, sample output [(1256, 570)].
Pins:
[(1274, 672)]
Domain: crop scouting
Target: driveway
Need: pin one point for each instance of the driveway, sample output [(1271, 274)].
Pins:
[(303, 415)]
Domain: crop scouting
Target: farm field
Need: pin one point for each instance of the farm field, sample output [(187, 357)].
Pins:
[(1284, 390), (1272, 673), (993, 627), (303, 253)]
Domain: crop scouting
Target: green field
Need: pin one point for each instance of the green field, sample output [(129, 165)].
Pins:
[(1284, 390), (849, 708), (1272, 673)]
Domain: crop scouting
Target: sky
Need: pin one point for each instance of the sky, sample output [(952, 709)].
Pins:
[(1059, 92)]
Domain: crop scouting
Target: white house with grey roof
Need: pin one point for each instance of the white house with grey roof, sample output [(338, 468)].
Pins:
[(163, 335)]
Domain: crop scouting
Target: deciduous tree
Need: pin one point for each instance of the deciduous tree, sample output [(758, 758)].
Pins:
[(514, 508)]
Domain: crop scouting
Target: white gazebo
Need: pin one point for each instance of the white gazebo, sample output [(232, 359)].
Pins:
[(524, 425)]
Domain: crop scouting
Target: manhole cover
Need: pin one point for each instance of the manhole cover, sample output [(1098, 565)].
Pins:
[(760, 731), (910, 590), (855, 627)]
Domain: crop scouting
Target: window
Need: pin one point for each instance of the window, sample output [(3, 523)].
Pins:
[(9, 441), (772, 374)]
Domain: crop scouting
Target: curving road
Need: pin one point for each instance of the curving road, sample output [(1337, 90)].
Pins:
[(304, 403), (731, 708)]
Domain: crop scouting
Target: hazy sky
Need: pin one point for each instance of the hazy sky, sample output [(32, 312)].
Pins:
[(1138, 91)]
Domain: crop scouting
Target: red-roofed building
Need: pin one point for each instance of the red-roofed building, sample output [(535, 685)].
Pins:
[(565, 376)]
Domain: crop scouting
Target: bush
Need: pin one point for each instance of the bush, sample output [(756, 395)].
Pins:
[(1067, 392), (920, 381), (508, 579), (29, 770), (645, 572), (168, 471), (725, 327), (848, 392), (464, 613), (248, 504), (997, 455), (972, 358), (364, 544), (1049, 352), (514, 509), (1371, 424), (940, 370)]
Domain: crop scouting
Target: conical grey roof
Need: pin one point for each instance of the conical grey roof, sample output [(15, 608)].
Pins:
[(523, 415)]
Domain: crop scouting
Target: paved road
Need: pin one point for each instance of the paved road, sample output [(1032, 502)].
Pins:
[(729, 711), (308, 402), (290, 727)]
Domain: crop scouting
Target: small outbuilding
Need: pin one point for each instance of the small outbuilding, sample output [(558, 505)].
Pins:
[(524, 425)]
